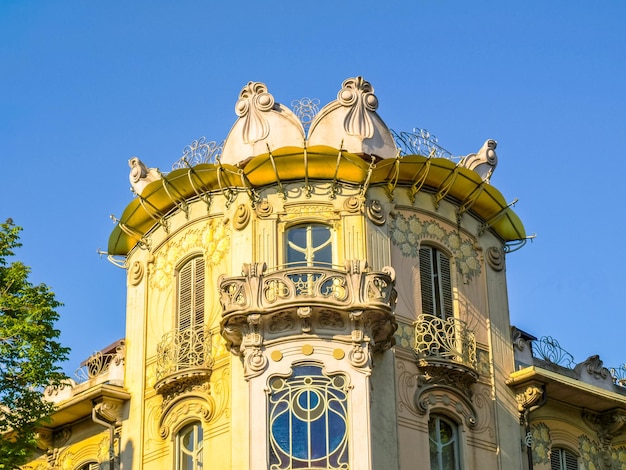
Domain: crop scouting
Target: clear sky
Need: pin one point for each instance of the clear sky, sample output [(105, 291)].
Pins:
[(86, 85)]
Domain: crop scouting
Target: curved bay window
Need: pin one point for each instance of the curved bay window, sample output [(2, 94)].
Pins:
[(309, 245), (189, 447), (435, 283), (308, 420), (444, 444)]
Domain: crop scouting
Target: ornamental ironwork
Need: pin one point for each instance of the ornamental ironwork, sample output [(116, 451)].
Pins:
[(99, 363), (308, 420), (448, 340), (199, 151), (305, 110), (548, 349), (184, 350), (421, 142), (619, 375)]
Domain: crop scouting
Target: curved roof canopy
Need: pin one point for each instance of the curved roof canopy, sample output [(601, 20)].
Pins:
[(347, 142)]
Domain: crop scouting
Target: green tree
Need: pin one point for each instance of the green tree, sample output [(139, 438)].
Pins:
[(29, 353)]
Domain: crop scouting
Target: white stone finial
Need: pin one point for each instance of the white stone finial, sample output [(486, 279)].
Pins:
[(484, 161), (140, 175), (357, 94), (352, 119), (254, 100), (262, 123)]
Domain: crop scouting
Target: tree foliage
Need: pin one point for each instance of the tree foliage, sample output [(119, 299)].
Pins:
[(29, 353)]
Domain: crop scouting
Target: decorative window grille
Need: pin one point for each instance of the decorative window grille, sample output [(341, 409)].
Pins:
[(562, 459), (308, 420), (309, 245), (189, 447), (444, 444), (435, 283), (191, 295)]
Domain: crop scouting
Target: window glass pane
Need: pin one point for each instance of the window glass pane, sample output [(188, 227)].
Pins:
[(443, 444), (308, 420), (189, 448), (309, 245)]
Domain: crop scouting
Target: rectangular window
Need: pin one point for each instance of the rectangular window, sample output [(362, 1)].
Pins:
[(435, 283)]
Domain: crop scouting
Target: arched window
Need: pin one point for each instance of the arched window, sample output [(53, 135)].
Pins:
[(190, 299), (444, 444), (435, 282), (308, 419), (563, 459), (309, 245), (189, 447)]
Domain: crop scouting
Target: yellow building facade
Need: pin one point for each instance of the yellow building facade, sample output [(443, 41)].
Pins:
[(320, 292)]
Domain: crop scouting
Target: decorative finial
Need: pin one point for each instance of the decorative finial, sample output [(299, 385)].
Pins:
[(358, 95), (253, 101), (140, 175), (484, 161)]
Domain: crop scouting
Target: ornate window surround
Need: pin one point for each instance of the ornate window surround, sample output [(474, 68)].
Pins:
[(335, 360)]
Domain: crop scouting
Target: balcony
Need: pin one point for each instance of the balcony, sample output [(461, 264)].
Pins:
[(446, 350), (309, 299), (184, 359)]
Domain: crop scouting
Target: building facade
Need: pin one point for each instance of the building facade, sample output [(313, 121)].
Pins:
[(321, 292)]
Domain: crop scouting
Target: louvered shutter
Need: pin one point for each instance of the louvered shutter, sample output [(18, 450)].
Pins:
[(446, 286), (191, 295), (426, 280), (185, 299), (562, 459), (198, 307)]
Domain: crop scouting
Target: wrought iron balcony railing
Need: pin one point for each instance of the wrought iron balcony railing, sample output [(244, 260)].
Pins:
[(448, 340), (101, 363), (183, 355)]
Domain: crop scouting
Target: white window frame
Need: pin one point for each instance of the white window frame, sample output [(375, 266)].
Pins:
[(454, 443), (198, 446)]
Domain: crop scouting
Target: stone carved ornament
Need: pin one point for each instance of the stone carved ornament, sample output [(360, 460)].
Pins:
[(358, 95), (254, 100)]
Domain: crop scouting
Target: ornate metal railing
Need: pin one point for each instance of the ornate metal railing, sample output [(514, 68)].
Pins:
[(260, 291), (99, 364), (199, 151), (421, 142), (182, 350), (447, 340), (619, 375), (549, 349)]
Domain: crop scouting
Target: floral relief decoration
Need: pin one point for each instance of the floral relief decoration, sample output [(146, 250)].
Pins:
[(407, 232), (618, 456), (589, 453), (405, 335), (213, 239), (541, 442)]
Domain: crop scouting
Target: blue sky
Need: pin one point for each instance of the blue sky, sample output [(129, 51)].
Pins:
[(86, 85)]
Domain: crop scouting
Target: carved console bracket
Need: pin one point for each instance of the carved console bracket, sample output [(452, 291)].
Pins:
[(529, 398)]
